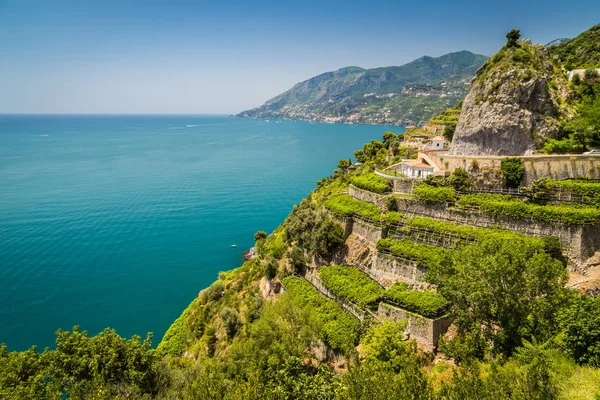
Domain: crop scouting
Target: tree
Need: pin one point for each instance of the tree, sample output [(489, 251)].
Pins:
[(260, 235), (388, 137), (513, 170), (344, 164), (231, 321), (513, 37), (360, 156), (580, 322), (298, 259), (502, 291)]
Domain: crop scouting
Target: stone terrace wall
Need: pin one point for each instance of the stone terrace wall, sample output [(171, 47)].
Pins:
[(365, 195), (580, 241), (370, 232), (424, 330), (388, 266), (536, 166)]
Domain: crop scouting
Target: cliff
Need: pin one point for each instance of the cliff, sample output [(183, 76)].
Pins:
[(517, 100), (408, 94)]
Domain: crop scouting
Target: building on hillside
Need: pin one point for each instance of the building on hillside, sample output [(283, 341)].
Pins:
[(416, 169), (437, 143)]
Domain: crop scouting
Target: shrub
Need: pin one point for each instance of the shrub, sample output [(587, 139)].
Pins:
[(432, 195), (581, 324), (215, 291), (429, 304), (513, 170), (350, 283), (346, 205), (423, 254), (373, 183), (339, 328), (460, 180), (231, 321), (514, 208), (260, 235)]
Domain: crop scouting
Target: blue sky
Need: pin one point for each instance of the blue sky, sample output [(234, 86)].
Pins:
[(199, 57)]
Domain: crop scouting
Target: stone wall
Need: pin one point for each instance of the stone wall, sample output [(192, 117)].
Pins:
[(536, 166), (425, 331), (371, 232), (580, 241), (365, 195), (388, 266)]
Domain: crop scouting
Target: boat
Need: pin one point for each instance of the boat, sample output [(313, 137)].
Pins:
[(234, 245)]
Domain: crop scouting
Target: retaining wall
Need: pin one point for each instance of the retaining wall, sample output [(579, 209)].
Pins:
[(370, 232), (579, 241), (365, 195), (536, 166), (424, 330), (388, 266)]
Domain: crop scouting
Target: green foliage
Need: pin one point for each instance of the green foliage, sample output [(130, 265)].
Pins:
[(270, 266), (423, 254), (260, 235), (507, 206), (231, 321), (434, 195), (562, 146), (314, 230), (339, 328), (351, 283), (428, 304), (590, 190), (296, 255), (580, 52), (502, 291), (346, 206), (373, 183), (513, 170), (80, 367), (584, 129), (580, 322), (214, 291), (512, 38), (360, 156), (460, 180)]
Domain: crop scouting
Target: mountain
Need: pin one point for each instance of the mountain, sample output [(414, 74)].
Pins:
[(408, 94), (556, 42), (517, 100), (580, 52)]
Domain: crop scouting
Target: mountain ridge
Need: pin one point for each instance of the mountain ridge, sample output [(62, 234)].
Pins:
[(406, 94)]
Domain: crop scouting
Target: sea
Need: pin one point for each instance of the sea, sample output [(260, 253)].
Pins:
[(119, 221)]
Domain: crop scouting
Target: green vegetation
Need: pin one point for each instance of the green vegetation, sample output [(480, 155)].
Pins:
[(501, 292), (581, 52), (590, 190), (339, 328), (428, 304), (425, 255), (513, 170), (434, 195), (345, 206), (351, 283), (510, 207), (448, 118), (512, 38), (373, 183), (581, 324)]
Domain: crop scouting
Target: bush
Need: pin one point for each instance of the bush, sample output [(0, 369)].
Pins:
[(460, 180), (513, 170), (260, 235), (514, 208), (428, 304), (350, 283), (580, 322), (298, 260), (215, 291), (346, 206), (423, 254), (434, 195), (231, 321), (339, 328), (373, 183)]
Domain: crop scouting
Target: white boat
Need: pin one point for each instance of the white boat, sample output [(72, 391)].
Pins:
[(234, 245)]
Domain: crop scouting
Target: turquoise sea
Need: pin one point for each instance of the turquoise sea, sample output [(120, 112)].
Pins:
[(119, 221)]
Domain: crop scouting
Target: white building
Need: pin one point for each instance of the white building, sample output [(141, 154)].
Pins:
[(418, 168), (437, 143)]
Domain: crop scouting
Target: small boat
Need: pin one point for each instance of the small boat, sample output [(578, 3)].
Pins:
[(234, 245)]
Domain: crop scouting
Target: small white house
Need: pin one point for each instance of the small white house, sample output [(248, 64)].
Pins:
[(418, 168), (437, 143)]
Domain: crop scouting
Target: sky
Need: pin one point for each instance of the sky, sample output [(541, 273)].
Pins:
[(222, 57)]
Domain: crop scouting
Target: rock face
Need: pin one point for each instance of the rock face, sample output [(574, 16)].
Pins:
[(515, 102)]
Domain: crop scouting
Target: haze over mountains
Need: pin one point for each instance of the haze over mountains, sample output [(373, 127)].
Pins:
[(396, 95)]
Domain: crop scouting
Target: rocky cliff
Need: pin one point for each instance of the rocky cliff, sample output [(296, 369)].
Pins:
[(516, 101)]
